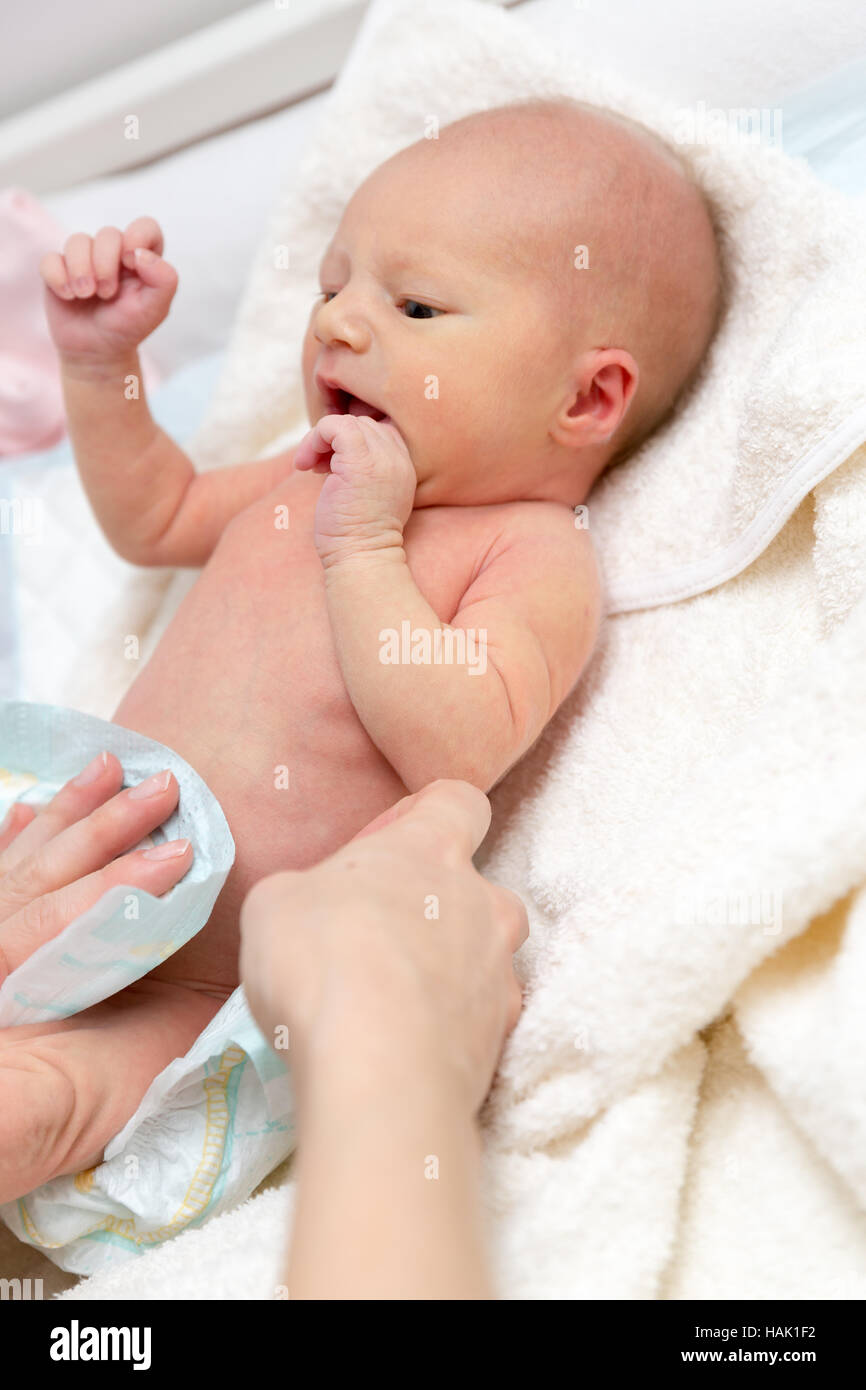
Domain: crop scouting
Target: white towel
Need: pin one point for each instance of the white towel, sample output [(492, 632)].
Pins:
[(684, 1094)]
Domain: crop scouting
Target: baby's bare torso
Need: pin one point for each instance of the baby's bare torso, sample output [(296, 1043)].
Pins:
[(245, 682)]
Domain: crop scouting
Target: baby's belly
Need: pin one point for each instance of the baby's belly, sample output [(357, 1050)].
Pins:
[(245, 686)]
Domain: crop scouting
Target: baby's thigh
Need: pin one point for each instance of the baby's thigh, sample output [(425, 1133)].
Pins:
[(66, 1088)]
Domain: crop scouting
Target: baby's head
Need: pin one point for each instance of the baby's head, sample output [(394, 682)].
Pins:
[(526, 296)]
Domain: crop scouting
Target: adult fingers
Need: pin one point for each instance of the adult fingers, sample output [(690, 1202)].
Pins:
[(77, 798), (447, 818), (90, 844), (510, 912), (45, 917), (515, 1005), (14, 821)]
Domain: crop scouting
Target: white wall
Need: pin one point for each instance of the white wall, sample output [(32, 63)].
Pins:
[(49, 45)]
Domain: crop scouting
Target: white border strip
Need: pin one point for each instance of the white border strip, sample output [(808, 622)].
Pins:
[(700, 575)]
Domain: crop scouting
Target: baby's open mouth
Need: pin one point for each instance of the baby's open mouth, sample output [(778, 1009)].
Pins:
[(347, 404), (341, 402)]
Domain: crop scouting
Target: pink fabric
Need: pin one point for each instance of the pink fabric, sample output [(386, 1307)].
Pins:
[(31, 401)]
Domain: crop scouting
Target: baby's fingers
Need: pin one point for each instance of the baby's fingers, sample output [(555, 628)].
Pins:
[(44, 918), (107, 246), (78, 254), (313, 452), (143, 232), (52, 268)]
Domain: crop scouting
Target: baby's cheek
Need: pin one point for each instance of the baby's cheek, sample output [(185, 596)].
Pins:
[(308, 363), (312, 347)]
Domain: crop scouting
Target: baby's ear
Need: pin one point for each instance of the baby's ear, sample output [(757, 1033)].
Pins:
[(604, 384)]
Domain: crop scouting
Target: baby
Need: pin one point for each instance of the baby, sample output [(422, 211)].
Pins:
[(504, 311)]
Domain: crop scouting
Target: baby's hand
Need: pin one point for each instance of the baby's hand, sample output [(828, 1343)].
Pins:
[(367, 500), (105, 294)]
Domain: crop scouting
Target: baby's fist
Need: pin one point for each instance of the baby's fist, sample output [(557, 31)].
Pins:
[(367, 498), (106, 294)]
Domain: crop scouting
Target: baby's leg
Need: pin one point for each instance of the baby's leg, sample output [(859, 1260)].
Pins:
[(66, 1088)]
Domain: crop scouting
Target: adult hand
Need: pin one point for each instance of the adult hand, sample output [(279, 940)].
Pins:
[(391, 966), (394, 952), (57, 862), (67, 1085)]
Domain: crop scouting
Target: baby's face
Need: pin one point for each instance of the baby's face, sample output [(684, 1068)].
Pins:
[(427, 314)]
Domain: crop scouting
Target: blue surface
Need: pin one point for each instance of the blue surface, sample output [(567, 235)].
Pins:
[(177, 405), (825, 124)]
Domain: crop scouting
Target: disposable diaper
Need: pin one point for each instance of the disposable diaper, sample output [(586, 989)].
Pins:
[(212, 1124)]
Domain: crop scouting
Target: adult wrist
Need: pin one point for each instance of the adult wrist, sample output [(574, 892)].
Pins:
[(343, 1071)]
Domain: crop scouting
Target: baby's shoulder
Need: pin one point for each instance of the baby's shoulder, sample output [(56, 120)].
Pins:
[(549, 538), (541, 568), (544, 547), (541, 518)]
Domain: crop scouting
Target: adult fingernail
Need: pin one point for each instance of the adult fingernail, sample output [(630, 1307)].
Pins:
[(143, 255), (172, 849), (150, 786), (92, 771)]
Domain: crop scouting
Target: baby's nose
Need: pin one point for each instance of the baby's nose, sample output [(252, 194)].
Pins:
[(343, 322)]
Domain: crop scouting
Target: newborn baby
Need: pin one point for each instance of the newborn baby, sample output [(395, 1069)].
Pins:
[(469, 373)]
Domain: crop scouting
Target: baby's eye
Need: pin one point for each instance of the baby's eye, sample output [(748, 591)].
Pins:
[(427, 310)]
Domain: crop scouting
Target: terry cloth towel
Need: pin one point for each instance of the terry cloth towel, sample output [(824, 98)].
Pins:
[(680, 1112)]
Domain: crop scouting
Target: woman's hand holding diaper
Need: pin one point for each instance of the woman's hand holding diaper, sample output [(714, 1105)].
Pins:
[(56, 863), (367, 499), (67, 1085)]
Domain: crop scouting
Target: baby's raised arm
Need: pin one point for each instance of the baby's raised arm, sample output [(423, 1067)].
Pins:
[(104, 296)]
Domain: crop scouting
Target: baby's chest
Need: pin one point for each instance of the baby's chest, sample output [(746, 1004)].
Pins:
[(268, 555)]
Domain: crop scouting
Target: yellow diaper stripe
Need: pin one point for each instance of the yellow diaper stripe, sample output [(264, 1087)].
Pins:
[(37, 1239), (16, 783), (27, 1223), (201, 1187)]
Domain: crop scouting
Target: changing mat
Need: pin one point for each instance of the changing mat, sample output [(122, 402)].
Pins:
[(680, 1111)]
